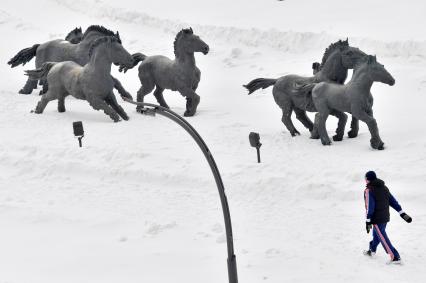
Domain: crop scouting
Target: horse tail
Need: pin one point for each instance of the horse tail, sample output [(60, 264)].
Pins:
[(40, 73), (259, 83), (137, 57), (23, 56)]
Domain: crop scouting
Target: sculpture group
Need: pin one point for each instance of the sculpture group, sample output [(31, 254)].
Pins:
[(326, 93), (81, 66)]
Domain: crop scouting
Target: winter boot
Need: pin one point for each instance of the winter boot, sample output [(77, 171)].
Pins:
[(369, 253), (395, 261)]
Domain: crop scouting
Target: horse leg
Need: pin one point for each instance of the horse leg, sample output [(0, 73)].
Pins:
[(353, 133), (303, 118), (28, 87), (45, 99), (119, 87), (145, 89), (286, 119), (45, 87), (99, 104), (158, 93), (340, 131), (375, 141), (112, 101), (322, 129), (194, 88), (61, 104), (314, 133), (192, 101)]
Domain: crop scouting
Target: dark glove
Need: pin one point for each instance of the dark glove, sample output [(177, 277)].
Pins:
[(368, 226), (406, 217)]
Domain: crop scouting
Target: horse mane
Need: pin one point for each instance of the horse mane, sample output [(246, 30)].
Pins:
[(101, 29), (100, 41), (371, 59), (74, 31), (178, 36), (329, 50)]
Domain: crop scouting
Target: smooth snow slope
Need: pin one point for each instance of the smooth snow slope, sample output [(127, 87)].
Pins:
[(138, 203)]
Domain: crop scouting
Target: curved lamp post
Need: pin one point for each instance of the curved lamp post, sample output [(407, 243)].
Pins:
[(152, 109)]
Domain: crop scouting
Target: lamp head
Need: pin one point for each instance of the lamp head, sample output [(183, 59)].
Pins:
[(78, 128), (254, 139)]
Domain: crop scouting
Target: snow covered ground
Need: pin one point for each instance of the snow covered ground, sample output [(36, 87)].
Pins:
[(138, 203)]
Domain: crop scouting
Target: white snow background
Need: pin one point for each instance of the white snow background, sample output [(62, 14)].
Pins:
[(138, 202)]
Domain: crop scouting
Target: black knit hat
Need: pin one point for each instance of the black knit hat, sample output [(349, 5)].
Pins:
[(370, 176)]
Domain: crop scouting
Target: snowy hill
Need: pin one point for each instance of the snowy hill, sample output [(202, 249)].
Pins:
[(138, 203)]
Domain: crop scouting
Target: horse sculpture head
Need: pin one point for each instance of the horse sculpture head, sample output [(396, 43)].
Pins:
[(333, 51), (75, 36), (377, 72), (186, 42), (114, 50), (337, 59), (351, 56)]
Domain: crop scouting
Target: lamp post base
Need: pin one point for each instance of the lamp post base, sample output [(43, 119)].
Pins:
[(232, 270)]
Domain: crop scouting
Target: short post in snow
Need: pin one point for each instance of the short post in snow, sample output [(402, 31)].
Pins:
[(78, 131), (254, 139)]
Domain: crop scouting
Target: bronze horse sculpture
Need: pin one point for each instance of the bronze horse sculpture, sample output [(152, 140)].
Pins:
[(60, 50), (91, 82), (293, 92), (180, 74), (354, 97)]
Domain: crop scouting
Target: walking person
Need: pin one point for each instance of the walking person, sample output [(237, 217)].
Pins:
[(377, 201)]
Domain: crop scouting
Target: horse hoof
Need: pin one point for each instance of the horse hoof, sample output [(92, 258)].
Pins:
[(337, 138), (295, 133), (352, 134), (126, 97), (22, 91), (188, 114), (314, 135), (381, 146), (326, 142)]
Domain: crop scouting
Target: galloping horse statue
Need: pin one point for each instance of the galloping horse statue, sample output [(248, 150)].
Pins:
[(60, 50), (91, 82), (180, 74), (293, 93), (354, 97)]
